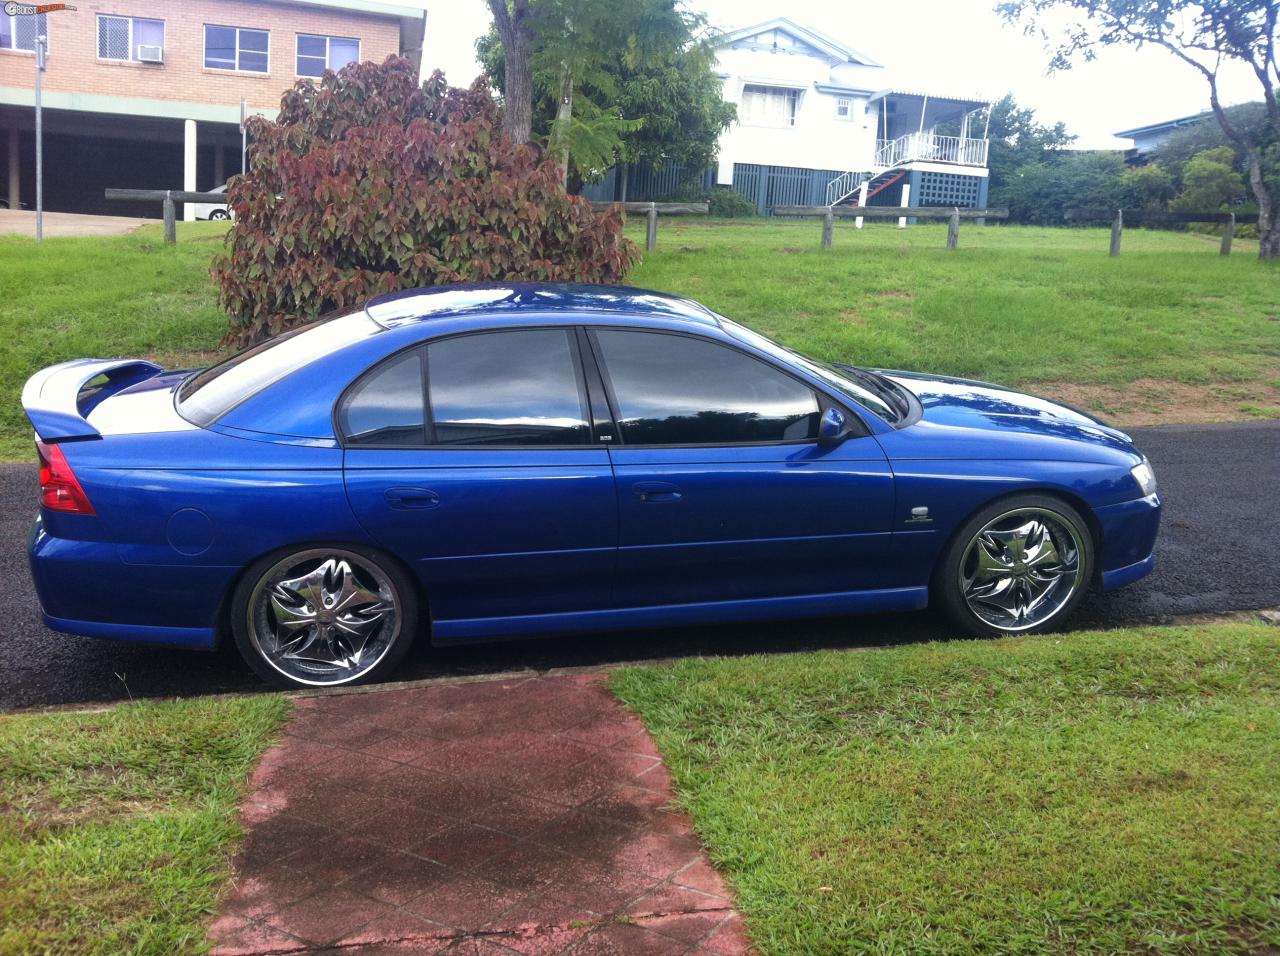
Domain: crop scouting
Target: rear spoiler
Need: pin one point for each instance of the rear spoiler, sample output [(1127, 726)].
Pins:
[(51, 397)]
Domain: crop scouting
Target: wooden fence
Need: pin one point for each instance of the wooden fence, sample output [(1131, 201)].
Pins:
[(168, 197), (653, 210), (828, 215), (1144, 217)]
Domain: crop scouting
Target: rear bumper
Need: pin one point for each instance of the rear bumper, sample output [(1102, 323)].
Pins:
[(85, 589), (1129, 532)]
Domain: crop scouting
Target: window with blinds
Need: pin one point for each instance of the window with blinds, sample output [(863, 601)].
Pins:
[(768, 106)]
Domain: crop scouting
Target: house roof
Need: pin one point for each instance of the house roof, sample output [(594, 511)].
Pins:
[(832, 48), (1160, 127), (933, 97)]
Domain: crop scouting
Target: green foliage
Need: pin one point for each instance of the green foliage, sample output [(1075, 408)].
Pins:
[(1147, 187), (1209, 183), (368, 183), (729, 204), (1017, 138), (1088, 793), (117, 828), (1039, 192), (639, 74)]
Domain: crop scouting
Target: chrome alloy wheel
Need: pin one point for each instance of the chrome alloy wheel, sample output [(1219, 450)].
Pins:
[(1022, 568), (323, 617)]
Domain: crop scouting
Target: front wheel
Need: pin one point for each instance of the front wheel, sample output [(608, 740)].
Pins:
[(324, 617), (219, 214), (1016, 567)]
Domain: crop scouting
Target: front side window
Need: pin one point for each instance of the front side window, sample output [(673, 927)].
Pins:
[(236, 48), (18, 31), (319, 53), (123, 38), (769, 106), (678, 390)]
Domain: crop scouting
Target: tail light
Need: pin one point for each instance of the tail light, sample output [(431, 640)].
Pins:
[(59, 488)]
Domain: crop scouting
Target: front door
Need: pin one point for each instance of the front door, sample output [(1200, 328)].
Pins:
[(723, 491), (491, 489)]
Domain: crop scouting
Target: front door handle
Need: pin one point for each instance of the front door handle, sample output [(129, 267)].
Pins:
[(411, 499), (656, 491)]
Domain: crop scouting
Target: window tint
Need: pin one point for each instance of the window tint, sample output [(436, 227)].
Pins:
[(507, 388), (677, 390), (236, 48), (387, 406), (319, 53), (207, 395)]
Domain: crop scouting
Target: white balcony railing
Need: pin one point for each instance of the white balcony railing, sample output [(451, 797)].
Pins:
[(927, 147)]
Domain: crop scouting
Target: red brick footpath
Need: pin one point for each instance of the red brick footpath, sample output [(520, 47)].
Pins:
[(527, 816)]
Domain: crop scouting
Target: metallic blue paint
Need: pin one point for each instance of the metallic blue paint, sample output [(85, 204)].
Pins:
[(533, 540)]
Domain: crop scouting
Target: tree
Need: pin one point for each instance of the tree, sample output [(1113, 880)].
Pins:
[(578, 51), (1204, 34), (368, 183), (1039, 192), (1147, 187), (1017, 138), (1209, 183), (513, 21)]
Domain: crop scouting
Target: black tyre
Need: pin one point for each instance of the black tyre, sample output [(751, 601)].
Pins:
[(324, 616), (219, 214), (1019, 566)]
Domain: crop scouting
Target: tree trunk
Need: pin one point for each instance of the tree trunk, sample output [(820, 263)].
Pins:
[(560, 130), (1268, 221), (514, 30), (624, 171)]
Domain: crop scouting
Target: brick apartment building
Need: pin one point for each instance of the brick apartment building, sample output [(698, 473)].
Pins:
[(146, 93)]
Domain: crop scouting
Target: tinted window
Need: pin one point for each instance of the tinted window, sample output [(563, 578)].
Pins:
[(677, 390), (507, 388), (207, 395), (386, 407)]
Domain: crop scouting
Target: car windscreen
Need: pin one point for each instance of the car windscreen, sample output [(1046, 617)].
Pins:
[(209, 394)]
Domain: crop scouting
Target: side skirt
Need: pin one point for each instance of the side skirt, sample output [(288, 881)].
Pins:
[(669, 615)]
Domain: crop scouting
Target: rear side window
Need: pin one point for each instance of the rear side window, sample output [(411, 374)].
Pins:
[(208, 395), (522, 387), (509, 388), (679, 390), (386, 406)]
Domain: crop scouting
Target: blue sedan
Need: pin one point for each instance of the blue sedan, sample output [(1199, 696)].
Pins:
[(479, 462)]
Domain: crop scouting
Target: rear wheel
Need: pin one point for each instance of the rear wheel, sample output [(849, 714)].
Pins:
[(324, 617), (1018, 566), (219, 214)]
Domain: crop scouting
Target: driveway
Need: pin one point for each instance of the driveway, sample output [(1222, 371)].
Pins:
[(1221, 485), (23, 222)]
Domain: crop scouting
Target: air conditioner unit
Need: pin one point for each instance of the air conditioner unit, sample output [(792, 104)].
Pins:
[(150, 54)]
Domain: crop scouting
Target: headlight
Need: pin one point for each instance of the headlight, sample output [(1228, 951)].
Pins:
[(1145, 477)]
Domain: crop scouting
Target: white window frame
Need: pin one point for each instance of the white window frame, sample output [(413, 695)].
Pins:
[(846, 104), (13, 32), (327, 40), (793, 95), (133, 46), (236, 69)]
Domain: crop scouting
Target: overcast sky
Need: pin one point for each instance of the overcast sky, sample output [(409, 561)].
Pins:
[(943, 46)]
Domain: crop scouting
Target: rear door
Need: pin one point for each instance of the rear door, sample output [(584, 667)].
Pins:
[(723, 491), (472, 458)]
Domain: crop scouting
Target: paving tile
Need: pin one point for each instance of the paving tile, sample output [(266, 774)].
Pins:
[(477, 818), (623, 939), (465, 845), (327, 916)]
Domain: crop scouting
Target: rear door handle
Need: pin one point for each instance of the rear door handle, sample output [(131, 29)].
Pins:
[(656, 491), (411, 499)]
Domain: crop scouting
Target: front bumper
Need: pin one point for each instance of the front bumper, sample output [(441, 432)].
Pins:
[(1129, 532)]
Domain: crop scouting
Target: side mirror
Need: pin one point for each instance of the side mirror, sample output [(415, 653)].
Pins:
[(833, 428)]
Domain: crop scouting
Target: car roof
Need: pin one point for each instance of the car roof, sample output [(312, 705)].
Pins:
[(413, 306)]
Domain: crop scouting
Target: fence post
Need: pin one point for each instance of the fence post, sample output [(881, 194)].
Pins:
[(953, 229), (170, 219), (862, 201), (906, 201), (828, 226), (1228, 233), (1117, 227), (651, 236)]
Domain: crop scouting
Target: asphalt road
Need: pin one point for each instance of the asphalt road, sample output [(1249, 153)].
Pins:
[(1217, 552)]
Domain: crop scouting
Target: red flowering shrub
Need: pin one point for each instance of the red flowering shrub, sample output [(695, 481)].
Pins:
[(368, 183)]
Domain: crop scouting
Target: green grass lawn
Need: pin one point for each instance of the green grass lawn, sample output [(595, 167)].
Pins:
[(1166, 332), (116, 828), (1107, 792)]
